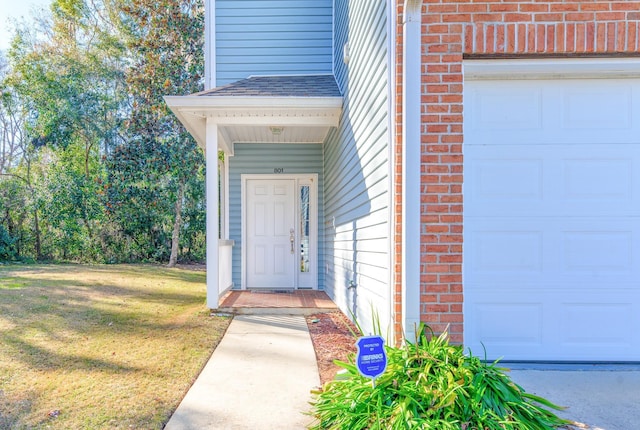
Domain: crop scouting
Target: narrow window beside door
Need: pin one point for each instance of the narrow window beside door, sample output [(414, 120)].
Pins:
[(305, 206)]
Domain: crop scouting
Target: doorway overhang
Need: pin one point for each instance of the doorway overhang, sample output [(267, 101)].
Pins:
[(263, 109)]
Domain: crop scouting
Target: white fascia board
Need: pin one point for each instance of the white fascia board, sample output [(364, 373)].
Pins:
[(194, 102), (256, 110), (195, 125), (552, 68)]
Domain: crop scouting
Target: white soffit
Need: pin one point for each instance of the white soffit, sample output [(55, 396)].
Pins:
[(250, 119)]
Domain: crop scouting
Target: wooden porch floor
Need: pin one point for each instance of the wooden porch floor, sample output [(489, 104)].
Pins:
[(296, 301)]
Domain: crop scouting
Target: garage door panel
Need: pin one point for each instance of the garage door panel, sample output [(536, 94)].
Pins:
[(598, 253), (589, 325), (503, 179), (516, 108), (560, 325), (509, 323), (601, 177), (496, 250), (600, 108), (591, 252), (580, 111), (520, 180)]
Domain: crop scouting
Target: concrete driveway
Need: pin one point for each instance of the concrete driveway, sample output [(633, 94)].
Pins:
[(596, 397)]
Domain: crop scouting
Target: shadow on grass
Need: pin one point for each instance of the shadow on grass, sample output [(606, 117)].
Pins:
[(109, 346), (66, 309), (43, 359), (149, 271), (10, 418)]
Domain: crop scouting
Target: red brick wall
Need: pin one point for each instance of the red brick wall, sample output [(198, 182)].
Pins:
[(453, 29)]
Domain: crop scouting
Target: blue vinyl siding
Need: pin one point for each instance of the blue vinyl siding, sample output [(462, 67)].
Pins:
[(270, 37), (357, 196), (251, 158)]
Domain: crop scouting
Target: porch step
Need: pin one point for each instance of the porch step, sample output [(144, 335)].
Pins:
[(274, 311), (296, 302)]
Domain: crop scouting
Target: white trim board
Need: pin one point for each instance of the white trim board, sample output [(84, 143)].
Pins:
[(392, 168), (551, 68), (411, 156)]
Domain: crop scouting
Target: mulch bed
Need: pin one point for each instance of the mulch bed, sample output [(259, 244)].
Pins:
[(332, 334)]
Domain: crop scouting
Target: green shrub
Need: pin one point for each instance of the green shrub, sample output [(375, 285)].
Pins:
[(7, 251), (431, 385)]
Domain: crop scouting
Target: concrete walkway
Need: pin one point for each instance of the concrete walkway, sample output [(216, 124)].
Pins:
[(261, 374), (259, 377)]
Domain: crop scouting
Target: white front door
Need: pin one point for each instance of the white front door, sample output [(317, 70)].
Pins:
[(280, 232)]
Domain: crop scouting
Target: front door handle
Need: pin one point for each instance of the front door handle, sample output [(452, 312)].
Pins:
[(292, 239)]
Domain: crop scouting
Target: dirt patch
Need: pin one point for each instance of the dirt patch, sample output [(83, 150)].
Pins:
[(198, 267), (333, 338)]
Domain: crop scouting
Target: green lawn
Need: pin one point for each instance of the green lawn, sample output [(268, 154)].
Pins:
[(100, 347)]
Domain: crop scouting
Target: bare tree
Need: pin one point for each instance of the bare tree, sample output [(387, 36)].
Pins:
[(11, 124)]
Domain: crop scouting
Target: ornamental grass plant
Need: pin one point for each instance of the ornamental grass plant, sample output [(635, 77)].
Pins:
[(431, 384)]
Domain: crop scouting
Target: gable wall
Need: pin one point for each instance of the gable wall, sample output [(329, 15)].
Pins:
[(356, 163), (272, 37), (451, 30)]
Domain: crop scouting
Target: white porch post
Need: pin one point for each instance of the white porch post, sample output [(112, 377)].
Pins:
[(411, 155), (213, 287)]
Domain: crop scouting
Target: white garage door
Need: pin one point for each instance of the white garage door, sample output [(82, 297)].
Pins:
[(552, 219)]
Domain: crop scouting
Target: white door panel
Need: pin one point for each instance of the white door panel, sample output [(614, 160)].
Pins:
[(270, 219)]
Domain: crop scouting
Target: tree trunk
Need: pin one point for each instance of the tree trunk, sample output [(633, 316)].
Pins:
[(36, 226), (175, 237)]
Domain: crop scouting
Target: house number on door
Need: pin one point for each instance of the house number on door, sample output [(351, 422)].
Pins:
[(278, 170)]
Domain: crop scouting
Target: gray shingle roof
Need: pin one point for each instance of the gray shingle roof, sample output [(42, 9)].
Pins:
[(278, 86)]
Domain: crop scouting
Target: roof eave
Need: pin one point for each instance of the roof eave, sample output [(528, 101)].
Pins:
[(193, 111), (196, 126)]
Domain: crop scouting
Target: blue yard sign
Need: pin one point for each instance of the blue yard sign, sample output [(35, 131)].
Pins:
[(371, 358)]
